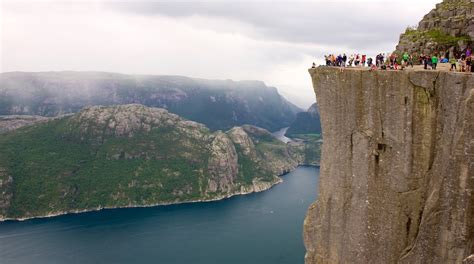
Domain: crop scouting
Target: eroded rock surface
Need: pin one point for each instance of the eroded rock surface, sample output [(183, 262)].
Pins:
[(448, 27), (397, 171), (12, 122)]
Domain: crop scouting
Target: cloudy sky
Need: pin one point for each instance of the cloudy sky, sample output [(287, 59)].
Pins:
[(273, 41)]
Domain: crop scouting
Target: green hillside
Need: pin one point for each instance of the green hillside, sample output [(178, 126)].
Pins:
[(131, 155), (306, 123)]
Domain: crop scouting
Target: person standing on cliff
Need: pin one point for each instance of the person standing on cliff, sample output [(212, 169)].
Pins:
[(382, 59), (461, 65), (425, 61), (351, 60), (369, 62), (410, 60), (468, 64), (405, 58), (339, 60), (453, 62), (434, 62)]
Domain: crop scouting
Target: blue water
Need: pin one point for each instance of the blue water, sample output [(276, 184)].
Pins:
[(257, 228)]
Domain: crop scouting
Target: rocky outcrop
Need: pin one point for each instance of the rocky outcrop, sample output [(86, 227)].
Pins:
[(127, 120), (276, 158), (449, 28), (12, 122), (242, 139), (397, 171), (223, 164)]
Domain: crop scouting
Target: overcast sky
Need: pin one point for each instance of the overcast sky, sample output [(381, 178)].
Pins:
[(273, 41)]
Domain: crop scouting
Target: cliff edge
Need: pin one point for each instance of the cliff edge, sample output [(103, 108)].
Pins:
[(397, 168)]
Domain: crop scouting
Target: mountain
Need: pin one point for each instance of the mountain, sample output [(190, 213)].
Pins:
[(306, 123), (448, 28), (219, 104), (132, 155)]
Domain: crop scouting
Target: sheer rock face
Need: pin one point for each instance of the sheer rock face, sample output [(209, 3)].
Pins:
[(397, 171), (223, 164)]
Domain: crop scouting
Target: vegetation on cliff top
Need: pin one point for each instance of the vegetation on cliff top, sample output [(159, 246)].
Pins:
[(435, 35)]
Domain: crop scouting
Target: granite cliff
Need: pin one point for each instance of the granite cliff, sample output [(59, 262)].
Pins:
[(131, 155), (397, 174)]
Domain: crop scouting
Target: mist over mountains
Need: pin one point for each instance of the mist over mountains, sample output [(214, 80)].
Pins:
[(219, 104)]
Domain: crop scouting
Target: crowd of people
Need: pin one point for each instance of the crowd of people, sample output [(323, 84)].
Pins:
[(392, 61), (464, 63), (382, 61)]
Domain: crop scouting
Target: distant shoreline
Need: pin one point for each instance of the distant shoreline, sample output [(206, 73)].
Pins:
[(97, 209), (215, 199)]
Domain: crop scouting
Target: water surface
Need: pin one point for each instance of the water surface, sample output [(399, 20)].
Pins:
[(257, 228)]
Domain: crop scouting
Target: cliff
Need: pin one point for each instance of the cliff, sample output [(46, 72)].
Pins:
[(131, 155), (397, 171), (448, 28)]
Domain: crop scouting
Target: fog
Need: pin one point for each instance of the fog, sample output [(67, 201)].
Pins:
[(272, 41)]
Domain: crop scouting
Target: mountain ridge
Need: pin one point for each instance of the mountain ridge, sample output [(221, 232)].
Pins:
[(219, 104)]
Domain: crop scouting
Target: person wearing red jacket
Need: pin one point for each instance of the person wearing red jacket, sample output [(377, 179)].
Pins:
[(363, 60)]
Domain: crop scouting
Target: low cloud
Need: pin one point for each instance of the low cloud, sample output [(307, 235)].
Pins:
[(270, 41)]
